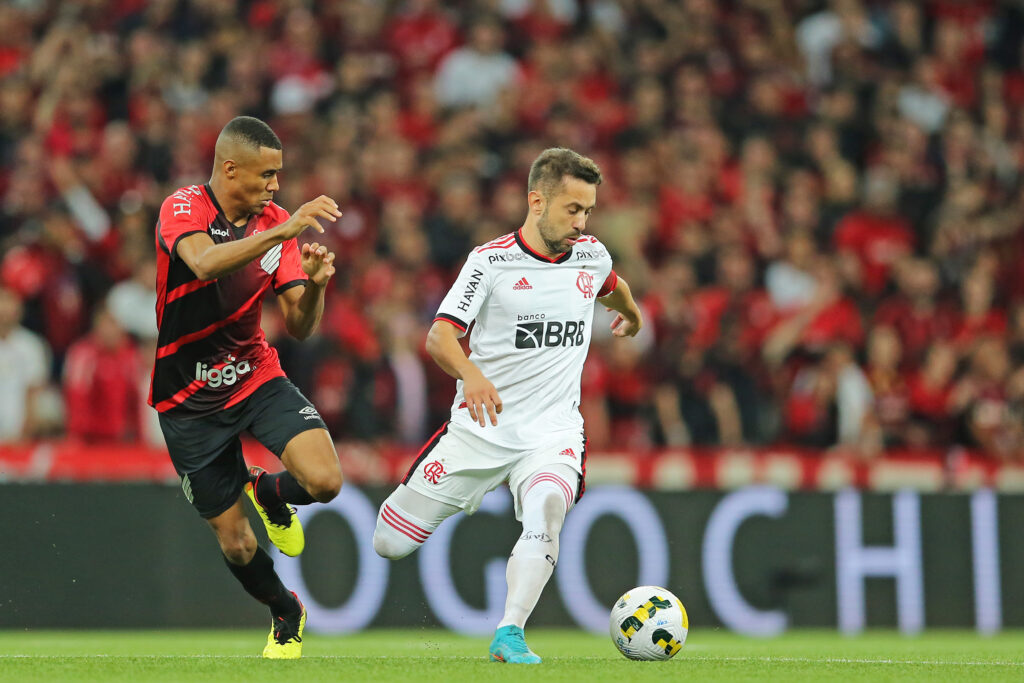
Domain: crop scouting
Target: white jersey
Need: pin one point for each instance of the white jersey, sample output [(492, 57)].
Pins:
[(533, 324)]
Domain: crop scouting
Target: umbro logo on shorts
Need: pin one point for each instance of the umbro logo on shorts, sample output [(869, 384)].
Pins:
[(309, 412), (186, 487)]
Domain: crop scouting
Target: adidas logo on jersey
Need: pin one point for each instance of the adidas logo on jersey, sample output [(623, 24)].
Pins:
[(569, 452), (522, 284)]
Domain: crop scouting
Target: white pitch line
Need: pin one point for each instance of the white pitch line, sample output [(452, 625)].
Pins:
[(927, 663), (703, 658)]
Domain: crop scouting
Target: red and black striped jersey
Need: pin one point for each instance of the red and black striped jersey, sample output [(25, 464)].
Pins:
[(211, 351)]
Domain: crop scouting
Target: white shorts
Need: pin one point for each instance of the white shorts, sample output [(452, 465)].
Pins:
[(458, 467)]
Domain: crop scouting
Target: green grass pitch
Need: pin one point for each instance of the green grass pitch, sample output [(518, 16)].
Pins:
[(435, 655)]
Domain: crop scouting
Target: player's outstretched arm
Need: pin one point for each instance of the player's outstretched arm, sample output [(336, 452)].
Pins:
[(443, 346), (303, 307), (210, 261), (629, 319)]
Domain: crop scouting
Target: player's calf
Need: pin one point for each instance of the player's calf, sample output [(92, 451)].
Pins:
[(235, 536)]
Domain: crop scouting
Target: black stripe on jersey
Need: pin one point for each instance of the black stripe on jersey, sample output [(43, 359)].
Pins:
[(213, 198), (173, 373), (174, 249), (452, 319), (425, 451), (525, 247), (289, 285), (583, 466), (178, 274), (160, 238), (192, 312)]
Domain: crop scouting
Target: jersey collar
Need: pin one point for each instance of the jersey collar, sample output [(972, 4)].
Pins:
[(213, 198), (540, 257)]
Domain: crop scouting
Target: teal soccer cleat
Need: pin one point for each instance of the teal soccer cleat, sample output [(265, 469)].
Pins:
[(509, 647)]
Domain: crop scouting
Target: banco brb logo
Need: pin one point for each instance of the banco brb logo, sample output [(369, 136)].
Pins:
[(550, 333)]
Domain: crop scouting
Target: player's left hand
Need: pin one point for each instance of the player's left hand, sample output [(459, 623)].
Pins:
[(317, 263), (627, 325)]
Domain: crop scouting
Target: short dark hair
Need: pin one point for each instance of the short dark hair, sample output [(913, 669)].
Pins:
[(252, 132), (550, 168)]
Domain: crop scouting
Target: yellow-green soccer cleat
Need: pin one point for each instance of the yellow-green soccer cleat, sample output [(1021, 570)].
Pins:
[(283, 526), (285, 639)]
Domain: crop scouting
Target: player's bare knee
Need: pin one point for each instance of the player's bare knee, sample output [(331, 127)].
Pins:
[(325, 486), (238, 547)]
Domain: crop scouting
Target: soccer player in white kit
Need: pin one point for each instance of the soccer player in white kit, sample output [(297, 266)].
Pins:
[(531, 294)]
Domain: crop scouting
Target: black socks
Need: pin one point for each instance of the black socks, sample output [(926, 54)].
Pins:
[(274, 489), (261, 582)]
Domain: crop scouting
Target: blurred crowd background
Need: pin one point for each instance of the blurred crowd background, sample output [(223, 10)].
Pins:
[(819, 204)]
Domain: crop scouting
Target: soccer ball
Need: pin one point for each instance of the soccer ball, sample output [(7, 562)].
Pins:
[(649, 623)]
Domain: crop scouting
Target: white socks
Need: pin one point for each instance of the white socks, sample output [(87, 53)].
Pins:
[(547, 499), (405, 520)]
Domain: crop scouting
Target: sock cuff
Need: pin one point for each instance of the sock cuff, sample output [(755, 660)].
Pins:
[(260, 561), (405, 523), (554, 482), (256, 489)]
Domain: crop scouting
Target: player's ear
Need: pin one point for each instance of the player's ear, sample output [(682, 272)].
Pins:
[(230, 168), (536, 201)]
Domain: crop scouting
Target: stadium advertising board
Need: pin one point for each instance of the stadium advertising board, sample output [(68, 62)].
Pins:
[(755, 560)]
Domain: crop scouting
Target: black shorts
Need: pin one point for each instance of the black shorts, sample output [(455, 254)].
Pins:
[(207, 453)]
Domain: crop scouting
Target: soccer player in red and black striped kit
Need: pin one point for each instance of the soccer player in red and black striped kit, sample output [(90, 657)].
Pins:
[(220, 247)]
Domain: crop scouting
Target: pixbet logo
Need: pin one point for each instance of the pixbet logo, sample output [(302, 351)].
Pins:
[(585, 283), (227, 375), (433, 471)]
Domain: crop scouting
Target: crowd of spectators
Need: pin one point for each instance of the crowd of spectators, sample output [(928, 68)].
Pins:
[(819, 204)]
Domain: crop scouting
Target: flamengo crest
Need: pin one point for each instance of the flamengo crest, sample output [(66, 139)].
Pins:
[(585, 283)]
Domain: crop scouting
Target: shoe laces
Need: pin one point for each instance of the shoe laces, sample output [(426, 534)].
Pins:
[(285, 632), (519, 641), (280, 516)]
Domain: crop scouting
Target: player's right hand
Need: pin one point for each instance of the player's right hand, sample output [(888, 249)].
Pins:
[(307, 215), (481, 396)]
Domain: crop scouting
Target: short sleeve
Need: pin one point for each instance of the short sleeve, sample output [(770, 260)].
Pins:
[(289, 273), (609, 284), (463, 301), (181, 215)]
